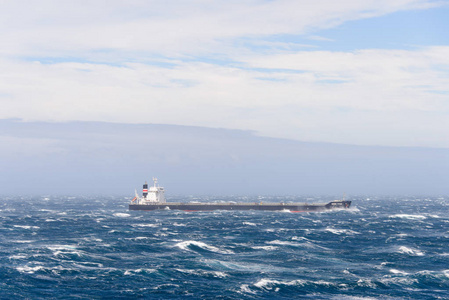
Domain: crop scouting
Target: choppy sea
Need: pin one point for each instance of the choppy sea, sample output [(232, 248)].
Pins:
[(92, 248)]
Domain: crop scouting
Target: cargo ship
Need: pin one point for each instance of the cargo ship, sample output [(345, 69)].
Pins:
[(153, 198)]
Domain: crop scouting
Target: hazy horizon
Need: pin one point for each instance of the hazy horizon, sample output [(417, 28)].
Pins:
[(113, 158)]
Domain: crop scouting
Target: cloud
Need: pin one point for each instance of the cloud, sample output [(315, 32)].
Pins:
[(219, 64), (171, 28), (301, 95)]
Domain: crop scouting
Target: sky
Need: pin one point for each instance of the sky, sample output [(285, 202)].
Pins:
[(356, 72), (99, 158), (228, 97)]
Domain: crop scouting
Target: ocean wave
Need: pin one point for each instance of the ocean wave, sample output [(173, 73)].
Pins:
[(306, 244), (137, 238), (121, 215), (409, 217), (139, 271), (245, 266), (398, 279), (284, 243), (395, 271), (348, 297), (410, 251), (195, 245), (246, 255), (432, 275), (26, 226), (245, 289), (145, 225), (276, 285), (58, 269), (300, 238), (269, 284), (89, 265), (63, 250), (17, 256), (341, 231), (365, 282), (249, 224), (204, 273), (29, 270), (268, 248), (179, 224)]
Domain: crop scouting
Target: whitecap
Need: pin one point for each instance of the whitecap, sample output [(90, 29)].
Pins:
[(137, 271), (244, 288), (246, 267), (216, 274), (347, 297), (145, 225), (28, 269), (300, 238), (409, 217), (26, 227), (336, 231), (402, 280), (394, 271), (57, 253), (249, 224), (278, 242), (61, 247), (64, 249), (89, 265), (186, 245), (121, 215), (306, 244), (268, 248), (410, 251), (17, 256), (268, 284)]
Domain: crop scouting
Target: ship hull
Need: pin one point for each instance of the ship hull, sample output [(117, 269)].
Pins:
[(295, 207)]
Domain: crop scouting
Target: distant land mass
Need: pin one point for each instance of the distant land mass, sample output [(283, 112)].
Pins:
[(113, 159)]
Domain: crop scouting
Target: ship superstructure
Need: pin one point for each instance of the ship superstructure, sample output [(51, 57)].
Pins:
[(154, 194)]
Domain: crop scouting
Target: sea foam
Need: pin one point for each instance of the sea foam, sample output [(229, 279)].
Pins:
[(190, 246)]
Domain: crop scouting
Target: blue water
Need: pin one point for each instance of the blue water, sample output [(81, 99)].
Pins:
[(90, 248)]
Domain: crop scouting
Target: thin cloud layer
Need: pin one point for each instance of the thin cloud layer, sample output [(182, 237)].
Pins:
[(220, 64), (171, 28)]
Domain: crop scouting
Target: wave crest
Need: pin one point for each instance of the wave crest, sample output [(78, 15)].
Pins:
[(200, 246)]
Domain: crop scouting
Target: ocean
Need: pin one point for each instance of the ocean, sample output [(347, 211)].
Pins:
[(94, 248)]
